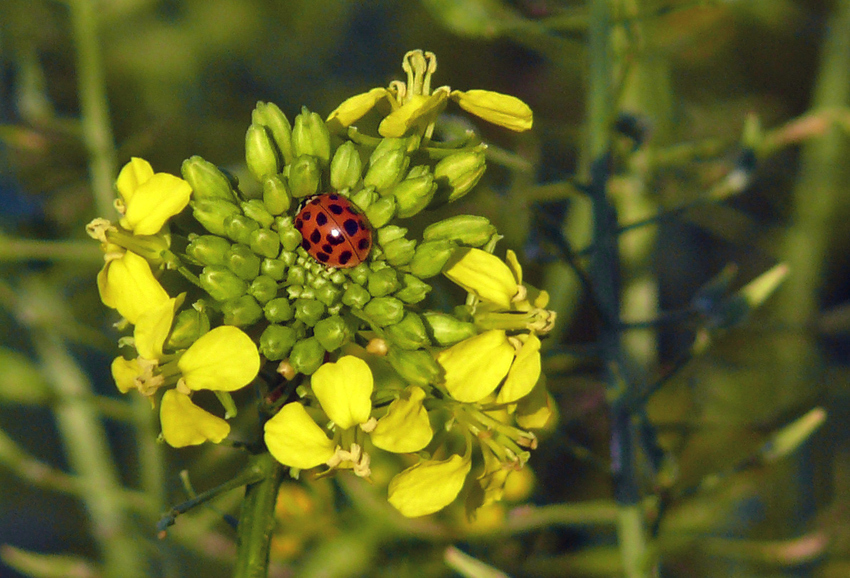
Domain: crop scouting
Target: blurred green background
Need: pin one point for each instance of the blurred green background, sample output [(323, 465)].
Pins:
[(756, 90)]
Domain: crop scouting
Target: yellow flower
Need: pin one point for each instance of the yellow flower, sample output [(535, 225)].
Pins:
[(352, 109), (475, 366), (524, 372), (406, 427), (127, 284), (344, 389), (149, 199), (484, 275), (295, 440), (500, 109), (428, 486), (419, 111), (186, 424)]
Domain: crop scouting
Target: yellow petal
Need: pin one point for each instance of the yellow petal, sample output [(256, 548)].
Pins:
[(353, 109), (128, 285), (344, 389), (225, 359), (153, 327), (475, 366), (124, 372), (497, 108), (484, 275), (154, 202), (429, 486), (294, 439), (131, 176), (405, 428), (419, 111), (537, 410), (524, 372), (186, 424)]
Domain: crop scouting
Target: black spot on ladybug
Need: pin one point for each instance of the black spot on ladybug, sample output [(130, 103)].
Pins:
[(315, 236), (363, 244), (344, 257), (315, 201), (321, 219), (323, 257), (335, 209), (333, 197), (351, 227), (334, 238), (351, 211), (327, 248), (306, 244), (298, 224), (306, 215)]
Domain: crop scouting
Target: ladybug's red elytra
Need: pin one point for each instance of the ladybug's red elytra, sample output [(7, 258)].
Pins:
[(333, 232)]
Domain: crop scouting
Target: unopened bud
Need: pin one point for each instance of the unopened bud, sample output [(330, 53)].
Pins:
[(242, 261), (307, 356), (472, 230), (276, 196), (208, 249), (211, 213), (430, 257), (384, 310), (329, 294), (263, 288), (290, 237), (390, 233), (265, 242), (189, 325), (221, 283), (413, 194), (409, 333), (416, 367), (270, 116), (241, 311), (346, 167), (309, 311), (256, 209), (360, 273), (276, 341), (296, 276), (274, 268), (364, 198), (446, 329), (381, 211), (356, 297), (239, 227), (304, 177), (310, 136), (206, 180), (383, 282), (261, 153), (387, 164), (331, 332), (414, 290), (399, 252), (457, 174), (279, 310)]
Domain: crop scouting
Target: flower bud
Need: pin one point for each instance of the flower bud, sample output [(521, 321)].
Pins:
[(416, 367), (430, 257), (310, 136), (409, 333), (296, 276), (457, 174), (383, 282), (241, 311), (384, 310), (274, 268), (263, 288), (208, 249), (265, 242), (221, 283), (364, 198), (346, 167), (387, 164), (414, 291), (206, 180), (399, 252), (276, 341), (381, 211), (331, 332), (390, 233), (239, 227), (279, 310), (470, 230), (446, 329), (211, 213), (360, 273), (307, 356), (309, 311), (270, 116), (242, 261), (189, 325), (290, 237), (355, 297), (261, 153), (413, 194), (255, 209), (304, 177), (329, 294), (276, 196)]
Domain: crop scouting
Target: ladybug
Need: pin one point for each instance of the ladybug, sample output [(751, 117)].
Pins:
[(333, 232)]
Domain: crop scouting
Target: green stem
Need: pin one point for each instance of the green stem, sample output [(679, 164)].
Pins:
[(256, 519), (85, 252)]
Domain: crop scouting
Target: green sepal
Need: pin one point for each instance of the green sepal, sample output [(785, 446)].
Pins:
[(276, 196), (413, 194), (290, 238), (265, 242), (274, 268), (381, 211), (446, 329), (409, 333), (360, 273), (399, 252), (355, 297), (329, 294), (457, 174), (279, 310), (386, 170), (364, 198), (417, 367), (296, 276), (190, 324), (256, 209)]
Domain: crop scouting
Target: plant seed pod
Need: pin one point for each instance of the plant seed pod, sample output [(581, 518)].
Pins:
[(242, 261), (208, 249), (241, 311), (414, 290), (470, 230), (261, 154), (255, 209), (211, 214), (310, 136), (430, 257), (346, 167), (221, 283), (206, 180), (277, 341), (276, 196), (263, 289), (331, 332), (417, 367), (409, 333), (238, 227), (279, 310), (305, 176), (384, 310), (446, 329), (307, 356), (265, 242)]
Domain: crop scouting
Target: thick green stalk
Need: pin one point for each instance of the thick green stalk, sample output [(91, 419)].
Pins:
[(256, 519)]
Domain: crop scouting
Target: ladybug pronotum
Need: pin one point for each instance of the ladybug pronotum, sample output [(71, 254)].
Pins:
[(333, 232)]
